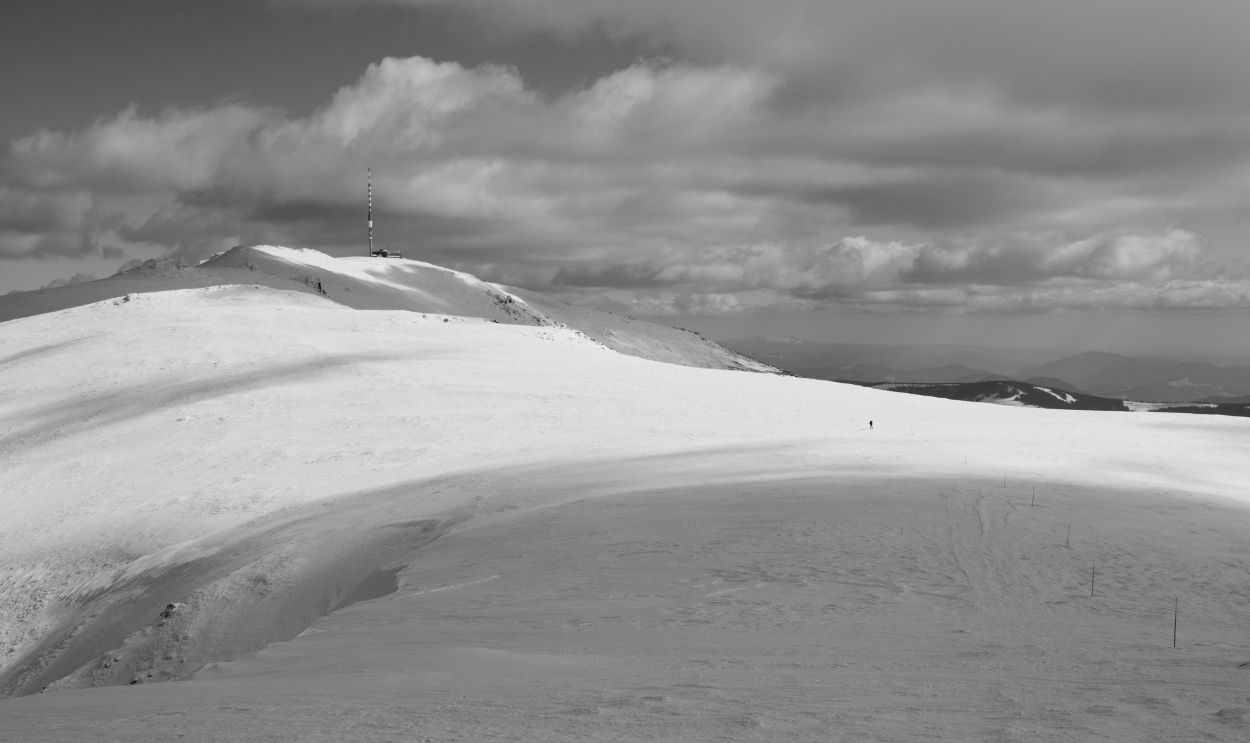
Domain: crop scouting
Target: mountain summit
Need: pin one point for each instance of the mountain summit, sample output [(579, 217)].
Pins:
[(389, 284)]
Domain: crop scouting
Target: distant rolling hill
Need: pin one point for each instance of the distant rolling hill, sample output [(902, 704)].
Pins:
[(1014, 393), (1241, 410), (876, 373), (810, 359), (985, 377), (1055, 383), (1054, 397), (1242, 400), (1090, 372), (1125, 377)]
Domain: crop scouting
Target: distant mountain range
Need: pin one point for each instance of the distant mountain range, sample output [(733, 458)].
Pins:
[(1006, 393), (1101, 374), (1241, 410), (1151, 379), (1024, 394)]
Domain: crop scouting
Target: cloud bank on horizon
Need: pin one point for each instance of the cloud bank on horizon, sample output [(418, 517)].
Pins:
[(963, 156)]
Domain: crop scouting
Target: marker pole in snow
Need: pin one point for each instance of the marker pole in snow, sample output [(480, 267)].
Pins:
[(369, 186), (1033, 500), (1176, 612), (1068, 539), (1091, 580)]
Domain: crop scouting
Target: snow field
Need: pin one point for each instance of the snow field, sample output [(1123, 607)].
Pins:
[(740, 545)]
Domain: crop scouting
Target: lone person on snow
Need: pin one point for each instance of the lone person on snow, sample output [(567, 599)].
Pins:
[(869, 425)]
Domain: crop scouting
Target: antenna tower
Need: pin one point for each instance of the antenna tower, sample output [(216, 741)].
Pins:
[(369, 181)]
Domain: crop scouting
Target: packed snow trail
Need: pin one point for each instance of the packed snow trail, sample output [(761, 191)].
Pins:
[(693, 552)]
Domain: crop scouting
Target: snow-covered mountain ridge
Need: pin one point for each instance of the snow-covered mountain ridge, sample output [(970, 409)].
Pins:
[(389, 284), (189, 476)]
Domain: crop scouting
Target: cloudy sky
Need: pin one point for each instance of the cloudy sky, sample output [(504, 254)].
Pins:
[(1053, 172)]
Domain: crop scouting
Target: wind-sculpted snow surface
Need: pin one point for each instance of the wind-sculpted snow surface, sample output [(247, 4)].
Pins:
[(582, 545)]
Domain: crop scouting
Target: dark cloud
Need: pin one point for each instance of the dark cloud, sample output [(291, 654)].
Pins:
[(1035, 273), (1122, 55), (46, 244), (46, 223), (935, 203), (1065, 148), (612, 276), (1026, 261), (926, 201), (32, 211), (965, 154), (306, 210)]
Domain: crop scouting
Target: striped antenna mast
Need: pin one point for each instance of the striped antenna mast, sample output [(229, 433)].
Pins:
[(369, 180)]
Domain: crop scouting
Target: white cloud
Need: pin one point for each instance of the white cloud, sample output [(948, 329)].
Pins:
[(1162, 271), (673, 187), (1151, 257), (686, 106), (176, 150)]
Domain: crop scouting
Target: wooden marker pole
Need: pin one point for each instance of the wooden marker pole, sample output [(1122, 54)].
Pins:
[(1033, 500), (1091, 580), (1068, 539), (1176, 611)]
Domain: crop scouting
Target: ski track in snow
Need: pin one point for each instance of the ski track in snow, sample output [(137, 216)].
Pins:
[(424, 591)]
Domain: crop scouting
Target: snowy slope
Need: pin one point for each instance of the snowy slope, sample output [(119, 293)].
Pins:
[(638, 338), (377, 284), (387, 284), (621, 548), (361, 283)]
